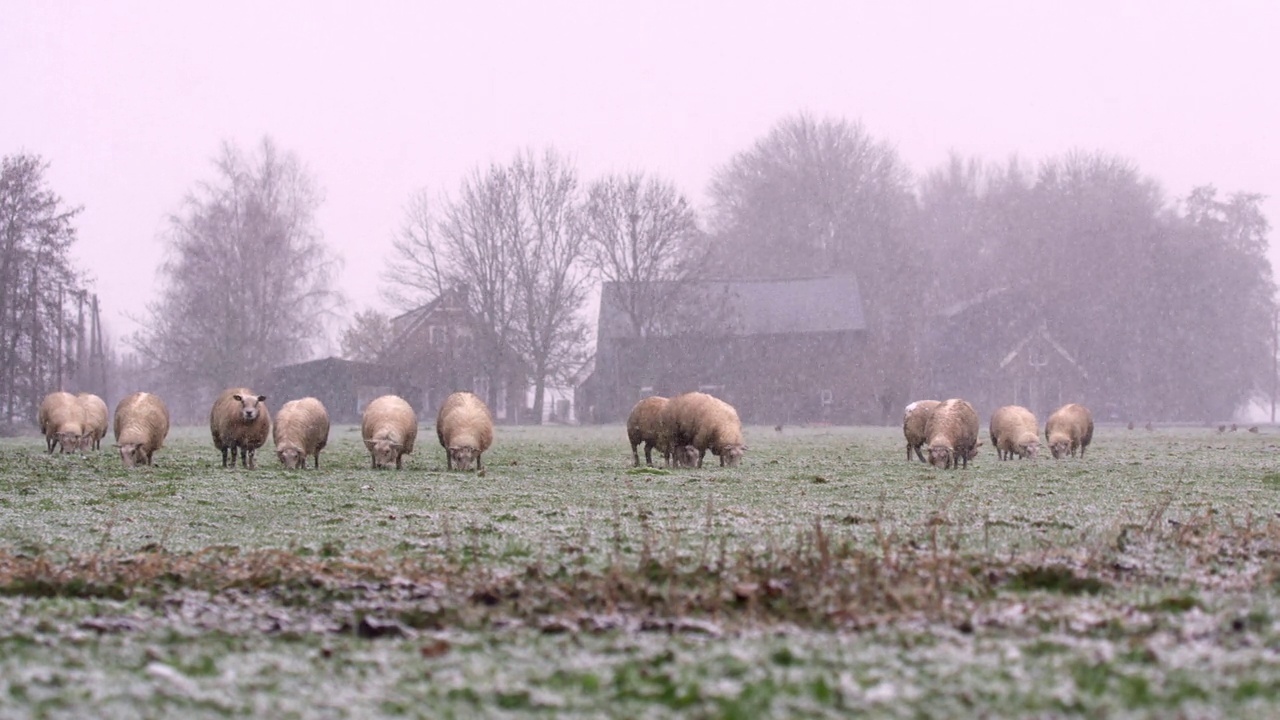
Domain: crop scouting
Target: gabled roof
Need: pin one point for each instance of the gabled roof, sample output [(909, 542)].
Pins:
[(762, 307), (1042, 333), (407, 323)]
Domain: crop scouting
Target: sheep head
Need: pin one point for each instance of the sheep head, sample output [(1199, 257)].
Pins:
[(731, 455), (292, 457), (132, 454), (941, 456), (1060, 448), (385, 453), (684, 456), (249, 406), (72, 440), (461, 456)]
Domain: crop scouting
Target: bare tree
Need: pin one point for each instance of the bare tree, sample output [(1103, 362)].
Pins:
[(643, 237), (366, 337), (547, 250), (513, 240), (36, 274), (247, 283), (821, 197)]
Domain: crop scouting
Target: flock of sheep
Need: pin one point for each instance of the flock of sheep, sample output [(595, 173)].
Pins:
[(240, 423), (949, 430), (682, 428)]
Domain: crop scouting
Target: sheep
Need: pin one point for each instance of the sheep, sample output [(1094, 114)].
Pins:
[(389, 427), (62, 421), (699, 422), (464, 427), (95, 418), (913, 421), (1068, 429), (952, 434), (141, 425), (240, 421), (1014, 431), (644, 425), (301, 429)]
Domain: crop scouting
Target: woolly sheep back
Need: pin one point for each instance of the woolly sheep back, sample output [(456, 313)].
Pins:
[(914, 419), (464, 427), (301, 428), (644, 425), (1014, 431), (1068, 429), (389, 427), (95, 419), (62, 421), (704, 422), (952, 434), (141, 426)]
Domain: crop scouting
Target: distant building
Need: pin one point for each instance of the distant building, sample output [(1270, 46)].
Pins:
[(435, 346), (344, 386), (786, 351)]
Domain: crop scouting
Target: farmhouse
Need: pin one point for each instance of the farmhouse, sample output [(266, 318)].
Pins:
[(438, 348), (781, 351), (344, 386)]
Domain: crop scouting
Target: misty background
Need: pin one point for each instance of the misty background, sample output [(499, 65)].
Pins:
[(1112, 169)]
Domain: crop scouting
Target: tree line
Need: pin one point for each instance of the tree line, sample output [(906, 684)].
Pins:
[(1168, 302)]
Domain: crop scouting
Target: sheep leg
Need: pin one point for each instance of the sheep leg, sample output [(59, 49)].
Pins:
[(635, 455), (249, 458), (304, 464), (701, 454), (648, 455), (398, 456), (479, 465)]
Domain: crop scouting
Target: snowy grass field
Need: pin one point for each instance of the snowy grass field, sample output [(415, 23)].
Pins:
[(826, 576)]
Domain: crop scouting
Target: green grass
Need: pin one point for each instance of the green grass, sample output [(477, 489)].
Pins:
[(827, 576)]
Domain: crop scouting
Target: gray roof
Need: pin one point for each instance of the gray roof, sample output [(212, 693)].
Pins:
[(764, 307)]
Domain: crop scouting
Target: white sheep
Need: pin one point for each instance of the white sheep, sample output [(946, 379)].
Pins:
[(699, 422), (141, 425), (301, 428), (464, 427), (95, 419), (952, 434), (239, 421), (914, 420), (1068, 429), (62, 421), (389, 427), (1014, 431), (644, 425)]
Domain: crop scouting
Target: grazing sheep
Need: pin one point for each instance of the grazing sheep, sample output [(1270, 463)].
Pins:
[(95, 420), (240, 421), (1068, 429), (141, 425), (644, 425), (913, 422), (1014, 431), (952, 434), (62, 421), (389, 427), (464, 427), (699, 422), (301, 429)]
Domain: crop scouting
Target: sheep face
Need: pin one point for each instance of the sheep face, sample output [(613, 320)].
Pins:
[(133, 454), (1060, 449), (731, 455), (293, 458), (461, 457), (386, 454), (74, 441), (1029, 449), (941, 456), (249, 406)]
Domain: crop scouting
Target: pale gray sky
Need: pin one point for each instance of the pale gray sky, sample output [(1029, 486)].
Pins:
[(129, 101)]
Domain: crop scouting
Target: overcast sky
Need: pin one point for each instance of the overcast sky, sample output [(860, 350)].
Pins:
[(129, 101)]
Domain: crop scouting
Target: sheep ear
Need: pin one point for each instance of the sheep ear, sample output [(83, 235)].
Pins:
[(262, 398)]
